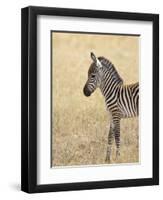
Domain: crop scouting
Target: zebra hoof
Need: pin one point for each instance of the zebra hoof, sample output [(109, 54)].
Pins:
[(107, 159), (117, 155)]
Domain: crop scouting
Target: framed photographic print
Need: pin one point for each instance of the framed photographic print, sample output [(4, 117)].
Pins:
[(90, 99)]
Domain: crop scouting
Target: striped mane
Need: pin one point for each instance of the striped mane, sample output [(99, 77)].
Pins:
[(105, 62)]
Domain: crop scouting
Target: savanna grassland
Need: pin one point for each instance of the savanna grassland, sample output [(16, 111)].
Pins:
[(80, 124)]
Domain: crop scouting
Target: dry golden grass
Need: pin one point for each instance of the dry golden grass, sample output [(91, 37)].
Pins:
[(80, 125)]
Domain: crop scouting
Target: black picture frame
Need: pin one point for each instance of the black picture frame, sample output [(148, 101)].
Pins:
[(29, 99)]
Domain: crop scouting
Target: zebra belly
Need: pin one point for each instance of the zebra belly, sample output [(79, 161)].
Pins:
[(126, 103), (126, 112)]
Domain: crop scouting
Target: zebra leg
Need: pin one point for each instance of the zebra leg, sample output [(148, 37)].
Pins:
[(117, 136), (110, 142)]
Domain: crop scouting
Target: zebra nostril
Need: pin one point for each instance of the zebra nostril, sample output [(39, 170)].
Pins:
[(86, 92)]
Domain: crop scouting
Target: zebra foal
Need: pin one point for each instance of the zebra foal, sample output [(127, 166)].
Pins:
[(122, 101)]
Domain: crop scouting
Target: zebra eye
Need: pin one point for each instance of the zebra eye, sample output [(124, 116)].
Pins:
[(93, 75)]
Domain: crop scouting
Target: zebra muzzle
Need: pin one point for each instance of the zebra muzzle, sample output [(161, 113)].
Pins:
[(86, 92)]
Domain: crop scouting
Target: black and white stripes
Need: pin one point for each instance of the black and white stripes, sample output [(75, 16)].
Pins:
[(121, 100)]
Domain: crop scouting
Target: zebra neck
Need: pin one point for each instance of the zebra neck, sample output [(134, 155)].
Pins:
[(110, 88)]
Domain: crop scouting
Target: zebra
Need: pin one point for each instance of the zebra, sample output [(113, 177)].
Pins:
[(122, 101)]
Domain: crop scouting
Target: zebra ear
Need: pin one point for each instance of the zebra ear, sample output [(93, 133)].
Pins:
[(96, 60), (93, 57)]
